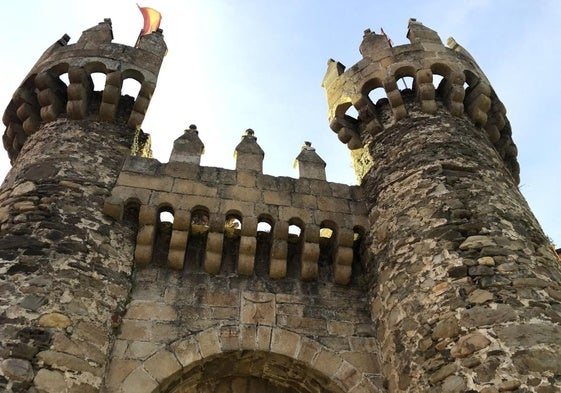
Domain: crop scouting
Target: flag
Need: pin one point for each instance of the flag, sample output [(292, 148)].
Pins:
[(390, 43), (152, 20)]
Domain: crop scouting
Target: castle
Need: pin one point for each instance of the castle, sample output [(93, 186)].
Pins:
[(123, 274)]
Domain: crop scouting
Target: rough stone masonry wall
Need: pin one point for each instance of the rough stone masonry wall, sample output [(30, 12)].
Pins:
[(467, 296), (194, 332), (236, 327), (64, 267)]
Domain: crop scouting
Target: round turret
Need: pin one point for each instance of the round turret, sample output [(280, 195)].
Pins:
[(67, 144), (43, 96), (463, 89), (460, 274)]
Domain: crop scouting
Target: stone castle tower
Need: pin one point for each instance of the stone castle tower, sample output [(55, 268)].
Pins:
[(122, 274)]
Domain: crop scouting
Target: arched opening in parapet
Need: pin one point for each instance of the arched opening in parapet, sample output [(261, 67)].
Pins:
[(166, 216), (472, 80), (131, 87), (370, 110), (294, 231), (476, 100), (378, 96), (351, 112), (345, 124), (263, 226), (441, 81), (52, 85), (164, 228), (196, 243), (97, 73), (358, 251), (98, 80), (437, 80), (64, 78), (130, 90), (374, 89), (348, 113), (405, 79), (295, 244), (231, 245), (328, 238), (131, 212), (406, 84), (264, 243), (249, 372)]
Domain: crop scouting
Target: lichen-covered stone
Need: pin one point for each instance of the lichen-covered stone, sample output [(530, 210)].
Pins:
[(469, 344), (18, 370)]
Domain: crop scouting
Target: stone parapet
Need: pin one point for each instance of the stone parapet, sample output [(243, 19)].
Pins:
[(437, 73), (311, 223), (43, 96)]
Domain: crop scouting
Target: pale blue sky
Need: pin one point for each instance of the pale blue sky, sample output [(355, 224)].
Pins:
[(234, 65)]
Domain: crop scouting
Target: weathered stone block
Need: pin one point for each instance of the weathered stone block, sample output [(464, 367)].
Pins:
[(141, 350), (239, 193), (229, 338), (277, 198), (327, 362), (135, 330), (285, 342), (333, 204), (161, 365), (50, 381), (469, 344), (139, 381), (54, 320), (17, 370), (258, 308), (119, 369), (160, 183), (208, 342), (264, 337), (151, 311), (187, 351), (191, 187)]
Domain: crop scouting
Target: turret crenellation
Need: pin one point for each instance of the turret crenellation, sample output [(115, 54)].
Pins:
[(97, 35), (374, 46), (417, 32), (452, 240), (188, 148), (43, 96), (309, 164), (438, 74), (248, 153)]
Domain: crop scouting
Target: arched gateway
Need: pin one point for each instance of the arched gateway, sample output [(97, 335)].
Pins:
[(237, 359)]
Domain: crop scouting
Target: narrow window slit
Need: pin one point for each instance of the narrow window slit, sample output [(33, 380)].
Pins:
[(196, 243), (231, 246), (263, 246), (164, 228)]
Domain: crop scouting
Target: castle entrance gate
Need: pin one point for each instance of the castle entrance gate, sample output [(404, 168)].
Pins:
[(248, 372)]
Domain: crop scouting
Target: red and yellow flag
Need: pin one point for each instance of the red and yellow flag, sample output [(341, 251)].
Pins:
[(152, 20)]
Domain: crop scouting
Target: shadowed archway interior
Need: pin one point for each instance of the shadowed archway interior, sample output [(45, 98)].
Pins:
[(248, 372)]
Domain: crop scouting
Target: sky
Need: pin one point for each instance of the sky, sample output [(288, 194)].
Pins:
[(234, 65)]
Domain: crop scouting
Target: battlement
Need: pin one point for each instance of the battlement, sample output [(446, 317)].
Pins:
[(43, 96), (227, 221), (372, 84)]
